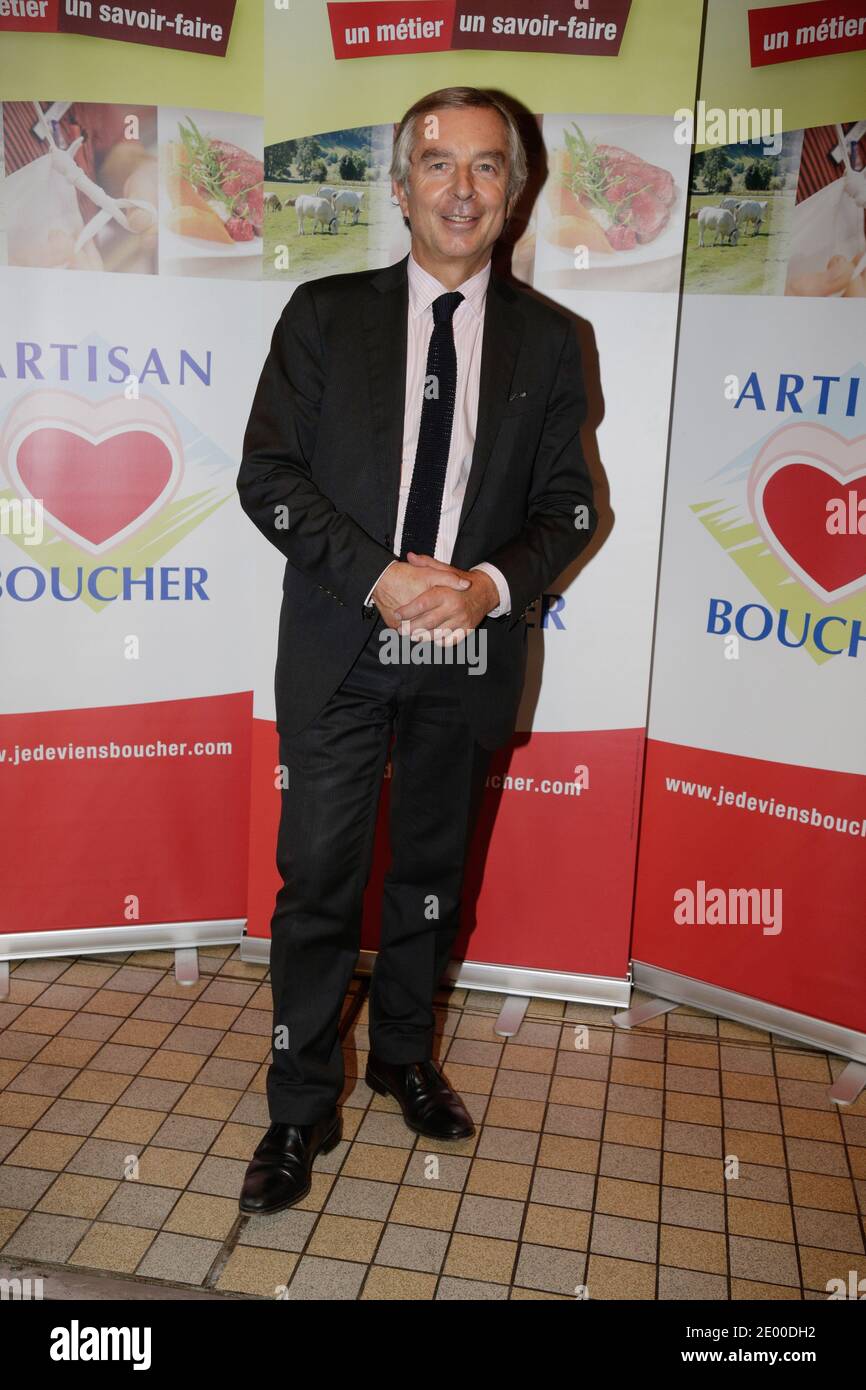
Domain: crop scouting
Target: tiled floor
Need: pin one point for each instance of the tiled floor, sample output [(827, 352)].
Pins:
[(130, 1107)]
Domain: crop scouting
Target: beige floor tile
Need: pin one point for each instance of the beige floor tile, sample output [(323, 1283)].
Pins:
[(385, 1162), (36, 1020), (10, 1220), (802, 1066), (753, 1146), (199, 1214), (173, 1066), (42, 1149), (264, 1273), (480, 1257), (110, 1247), (692, 1054), (116, 1003), (471, 1080), (572, 1090), (611, 1278), (537, 1059), (243, 1047), (742, 1032), (812, 1124), (211, 1015), (96, 1085), (821, 1266), (20, 1110), (74, 1195), (208, 1102), (578, 1155), (738, 1085), (686, 1248), (345, 1238), (400, 1284), (490, 1178), (126, 1122), (320, 1187), (167, 1167), (142, 1032), (687, 1170), (744, 1289), (426, 1206), (769, 1220), (629, 1072), (68, 1052), (515, 1114), (619, 1197), (824, 1192), (557, 1226), (236, 1141), (693, 1109), (640, 1131)]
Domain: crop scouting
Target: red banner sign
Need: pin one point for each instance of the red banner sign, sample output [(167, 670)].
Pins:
[(372, 28), (787, 33), (160, 25)]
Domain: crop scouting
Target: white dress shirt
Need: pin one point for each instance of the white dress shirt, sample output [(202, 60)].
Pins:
[(468, 324)]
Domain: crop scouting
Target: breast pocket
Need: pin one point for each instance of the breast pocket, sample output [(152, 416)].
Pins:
[(520, 404)]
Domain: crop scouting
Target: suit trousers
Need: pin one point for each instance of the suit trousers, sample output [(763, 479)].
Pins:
[(325, 843)]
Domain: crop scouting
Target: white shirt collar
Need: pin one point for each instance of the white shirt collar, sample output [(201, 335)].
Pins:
[(424, 288)]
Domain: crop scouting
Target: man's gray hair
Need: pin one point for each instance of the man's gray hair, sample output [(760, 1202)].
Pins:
[(404, 140)]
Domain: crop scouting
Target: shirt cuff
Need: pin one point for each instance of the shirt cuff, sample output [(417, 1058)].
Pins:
[(368, 599), (504, 604)]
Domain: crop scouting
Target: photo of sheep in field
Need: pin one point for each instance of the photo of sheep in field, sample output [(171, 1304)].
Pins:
[(740, 217), (328, 204)]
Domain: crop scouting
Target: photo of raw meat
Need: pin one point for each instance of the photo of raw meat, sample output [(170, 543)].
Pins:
[(213, 184), (612, 203), (628, 199)]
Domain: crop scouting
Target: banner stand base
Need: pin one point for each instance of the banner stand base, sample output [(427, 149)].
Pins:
[(511, 1015), (643, 1012), (848, 1085), (184, 938), (814, 1032), (497, 979)]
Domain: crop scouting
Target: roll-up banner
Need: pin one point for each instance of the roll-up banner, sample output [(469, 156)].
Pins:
[(752, 869), (550, 883), (129, 347)]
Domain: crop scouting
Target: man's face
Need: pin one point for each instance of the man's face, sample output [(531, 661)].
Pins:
[(456, 200)]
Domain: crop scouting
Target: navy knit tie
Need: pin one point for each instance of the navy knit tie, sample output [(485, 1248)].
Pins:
[(424, 505)]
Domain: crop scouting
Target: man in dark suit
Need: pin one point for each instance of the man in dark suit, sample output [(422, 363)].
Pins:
[(413, 450)]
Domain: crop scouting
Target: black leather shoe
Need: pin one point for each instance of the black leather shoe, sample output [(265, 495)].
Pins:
[(279, 1172), (428, 1103)]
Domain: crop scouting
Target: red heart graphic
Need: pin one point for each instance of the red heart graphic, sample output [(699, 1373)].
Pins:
[(795, 505), (800, 470), (95, 490)]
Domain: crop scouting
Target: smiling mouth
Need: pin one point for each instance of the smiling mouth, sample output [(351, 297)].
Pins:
[(459, 220)]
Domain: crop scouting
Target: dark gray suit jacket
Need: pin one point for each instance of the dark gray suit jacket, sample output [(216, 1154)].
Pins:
[(324, 440)]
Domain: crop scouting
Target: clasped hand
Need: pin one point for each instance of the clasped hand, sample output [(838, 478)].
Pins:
[(426, 596)]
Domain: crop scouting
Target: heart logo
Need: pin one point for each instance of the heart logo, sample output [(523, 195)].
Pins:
[(100, 471), (800, 470)]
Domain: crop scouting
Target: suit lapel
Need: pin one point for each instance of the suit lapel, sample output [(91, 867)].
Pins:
[(385, 339)]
